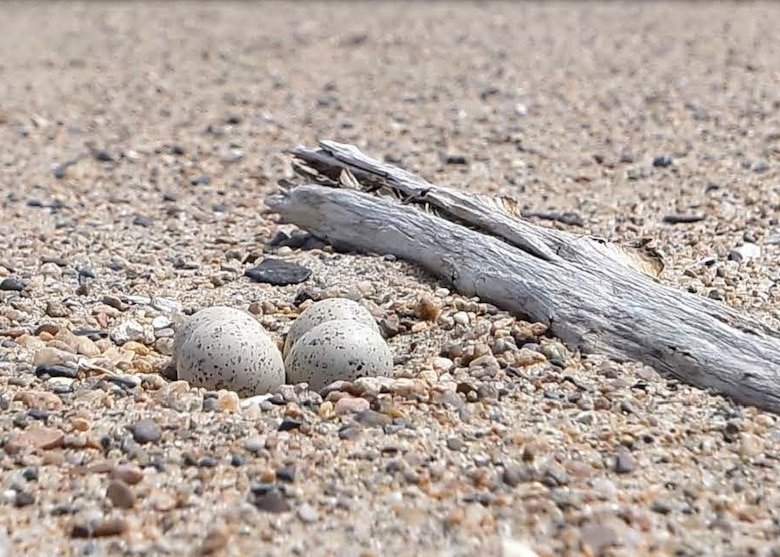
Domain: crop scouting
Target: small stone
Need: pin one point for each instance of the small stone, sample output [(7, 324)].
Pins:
[(527, 357), (308, 514), (461, 318), (271, 501), (128, 331), (598, 537), (23, 499), (747, 250), (351, 405), (127, 473), (12, 284), (348, 433), (278, 272), (286, 474), (120, 495), (43, 400), (372, 418), (114, 302), (35, 438), (289, 424), (255, 444), (215, 541), (146, 431), (101, 528), (456, 444), (57, 309), (624, 463), (161, 322), (484, 366), (166, 305), (662, 161)]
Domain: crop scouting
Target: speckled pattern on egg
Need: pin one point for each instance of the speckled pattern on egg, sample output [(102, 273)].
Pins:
[(237, 355), (328, 310), (339, 349), (209, 314)]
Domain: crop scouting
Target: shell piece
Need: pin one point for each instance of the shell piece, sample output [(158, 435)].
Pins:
[(220, 352), (340, 349), (209, 314), (328, 310)]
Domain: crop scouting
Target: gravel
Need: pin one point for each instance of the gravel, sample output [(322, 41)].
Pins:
[(138, 143)]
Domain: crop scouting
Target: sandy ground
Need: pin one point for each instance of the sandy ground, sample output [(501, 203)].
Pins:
[(138, 141)]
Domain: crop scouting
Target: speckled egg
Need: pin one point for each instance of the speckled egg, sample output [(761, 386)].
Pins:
[(230, 350), (340, 349), (208, 315), (328, 310)]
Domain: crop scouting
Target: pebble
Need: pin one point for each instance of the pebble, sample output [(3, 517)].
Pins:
[(100, 528), (255, 444), (745, 251), (146, 431), (308, 514), (271, 501), (127, 473), (161, 322), (278, 272), (371, 418), (12, 284), (43, 400), (35, 438), (166, 305), (120, 495), (130, 330), (351, 405), (624, 463)]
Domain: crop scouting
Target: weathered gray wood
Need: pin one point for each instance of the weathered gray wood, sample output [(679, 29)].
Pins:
[(591, 299)]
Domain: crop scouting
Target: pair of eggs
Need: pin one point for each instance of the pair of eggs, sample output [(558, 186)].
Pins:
[(226, 348)]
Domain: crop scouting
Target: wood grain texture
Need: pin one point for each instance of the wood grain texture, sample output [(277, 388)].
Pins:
[(593, 298)]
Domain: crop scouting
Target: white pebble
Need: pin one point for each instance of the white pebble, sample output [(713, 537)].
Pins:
[(127, 331)]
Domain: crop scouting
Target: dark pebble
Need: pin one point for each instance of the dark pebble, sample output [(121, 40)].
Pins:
[(348, 432), (23, 499), (286, 474), (12, 284), (624, 464), (202, 180), (683, 219), (278, 273), (661, 507), (146, 431), (271, 501), (99, 529), (210, 404), (208, 462), (30, 474), (372, 418), (289, 424), (452, 158), (56, 371), (514, 475), (456, 444), (38, 414), (662, 161), (237, 460), (142, 220)]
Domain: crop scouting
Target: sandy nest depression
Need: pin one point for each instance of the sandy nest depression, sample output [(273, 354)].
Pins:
[(138, 144)]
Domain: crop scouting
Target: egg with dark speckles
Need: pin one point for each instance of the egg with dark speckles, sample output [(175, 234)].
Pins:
[(340, 349), (325, 310), (226, 348)]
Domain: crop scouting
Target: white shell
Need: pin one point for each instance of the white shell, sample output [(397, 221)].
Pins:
[(335, 350), (226, 348), (328, 310)]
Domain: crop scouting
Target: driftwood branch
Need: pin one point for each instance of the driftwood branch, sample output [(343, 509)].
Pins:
[(594, 296)]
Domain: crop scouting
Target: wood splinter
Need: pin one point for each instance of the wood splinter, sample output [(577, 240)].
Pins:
[(596, 296)]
